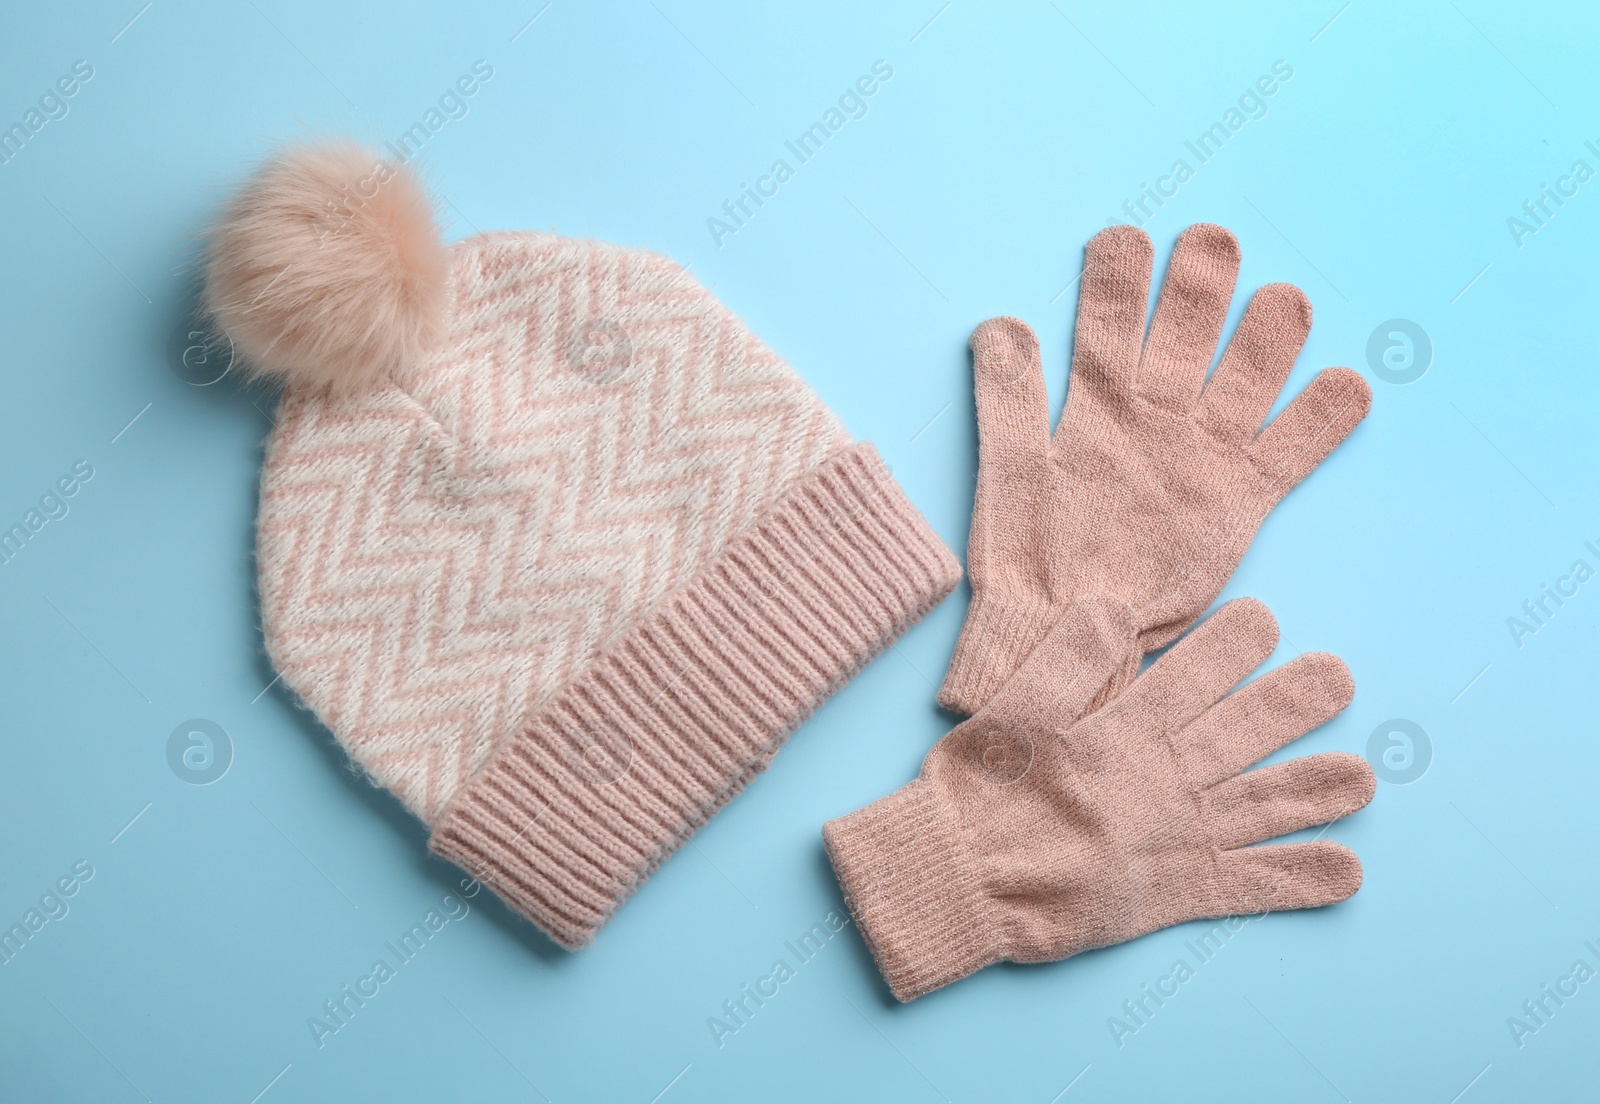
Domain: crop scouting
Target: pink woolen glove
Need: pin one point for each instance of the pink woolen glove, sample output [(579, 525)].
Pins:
[(1029, 837), (1144, 501)]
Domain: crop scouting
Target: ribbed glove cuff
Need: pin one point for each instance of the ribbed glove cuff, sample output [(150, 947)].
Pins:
[(570, 816), (997, 635), (1000, 634), (916, 900)]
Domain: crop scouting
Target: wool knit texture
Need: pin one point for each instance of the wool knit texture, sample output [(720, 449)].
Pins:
[(1156, 480), (1036, 831), (599, 460), (571, 814)]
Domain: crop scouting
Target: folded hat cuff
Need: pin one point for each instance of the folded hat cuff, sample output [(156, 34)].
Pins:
[(915, 898), (569, 816)]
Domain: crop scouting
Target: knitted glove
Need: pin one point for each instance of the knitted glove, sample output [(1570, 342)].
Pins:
[(1146, 498), (1029, 838)]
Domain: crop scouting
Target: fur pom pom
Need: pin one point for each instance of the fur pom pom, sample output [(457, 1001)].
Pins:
[(327, 270)]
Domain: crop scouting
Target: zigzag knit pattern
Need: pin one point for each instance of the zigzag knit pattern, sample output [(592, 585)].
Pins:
[(439, 558)]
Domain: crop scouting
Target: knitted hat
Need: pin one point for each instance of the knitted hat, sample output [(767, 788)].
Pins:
[(557, 549)]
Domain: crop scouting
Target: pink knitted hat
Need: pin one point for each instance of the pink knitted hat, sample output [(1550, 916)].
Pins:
[(557, 549)]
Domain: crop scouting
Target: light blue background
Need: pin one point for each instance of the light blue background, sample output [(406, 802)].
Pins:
[(1380, 179)]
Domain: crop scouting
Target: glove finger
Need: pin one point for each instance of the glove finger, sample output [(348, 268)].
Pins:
[(1203, 666), (1282, 705), (1189, 316), (1312, 426), (1113, 299), (1258, 360), (1286, 797), (1284, 876), (1013, 408)]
